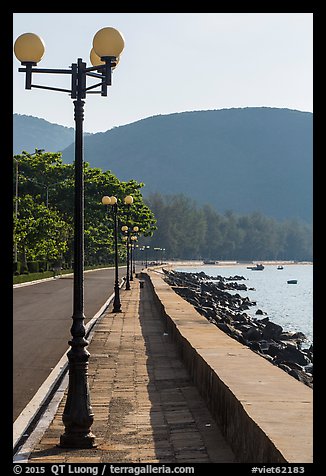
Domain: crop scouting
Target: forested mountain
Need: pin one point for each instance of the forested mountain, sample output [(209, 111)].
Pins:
[(251, 159), (241, 159), (30, 133)]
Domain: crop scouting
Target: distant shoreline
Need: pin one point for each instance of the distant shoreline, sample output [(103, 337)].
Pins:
[(222, 264)]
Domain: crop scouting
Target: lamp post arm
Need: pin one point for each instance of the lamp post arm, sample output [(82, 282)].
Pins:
[(45, 70), (78, 74), (116, 302)]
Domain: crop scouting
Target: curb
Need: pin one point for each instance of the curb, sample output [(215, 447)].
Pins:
[(43, 280)]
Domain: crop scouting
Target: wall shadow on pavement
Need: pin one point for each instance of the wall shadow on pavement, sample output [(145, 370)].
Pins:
[(183, 429)]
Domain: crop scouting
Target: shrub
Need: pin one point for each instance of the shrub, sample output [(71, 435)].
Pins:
[(43, 266), (33, 266)]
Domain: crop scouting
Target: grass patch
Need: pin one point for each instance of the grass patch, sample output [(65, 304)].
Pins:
[(26, 278)]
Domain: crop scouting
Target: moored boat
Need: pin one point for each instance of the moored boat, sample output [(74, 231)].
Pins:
[(257, 267)]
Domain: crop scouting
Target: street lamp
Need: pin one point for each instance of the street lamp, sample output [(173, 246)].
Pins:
[(128, 200), (133, 238), (114, 203), (146, 262), (29, 48), (125, 238)]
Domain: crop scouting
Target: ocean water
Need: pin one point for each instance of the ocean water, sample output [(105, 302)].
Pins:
[(289, 305)]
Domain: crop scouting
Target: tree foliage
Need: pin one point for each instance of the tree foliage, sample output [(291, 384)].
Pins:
[(188, 231), (43, 228)]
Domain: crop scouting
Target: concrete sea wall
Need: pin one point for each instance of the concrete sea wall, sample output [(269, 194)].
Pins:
[(265, 414)]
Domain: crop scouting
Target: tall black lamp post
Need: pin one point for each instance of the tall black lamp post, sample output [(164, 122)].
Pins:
[(128, 200), (108, 44), (132, 240), (114, 203), (146, 261), (126, 238)]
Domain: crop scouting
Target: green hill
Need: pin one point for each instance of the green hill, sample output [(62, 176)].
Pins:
[(248, 159), (30, 133)]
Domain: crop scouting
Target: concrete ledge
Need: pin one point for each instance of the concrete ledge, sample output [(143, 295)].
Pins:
[(265, 414)]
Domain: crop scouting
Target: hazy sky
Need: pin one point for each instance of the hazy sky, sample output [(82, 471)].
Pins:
[(172, 62)]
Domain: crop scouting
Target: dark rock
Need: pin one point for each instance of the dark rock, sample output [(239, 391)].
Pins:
[(264, 345), (225, 328), (254, 345), (268, 357), (206, 311), (299, 336), (285, 367), (252, 334), (291, 365), (292, 354), (260, 312), (241, 317), (309, 353), (274, 349), (309, 368), (264, 320), (302, 377), (287, 336), (272, 331)]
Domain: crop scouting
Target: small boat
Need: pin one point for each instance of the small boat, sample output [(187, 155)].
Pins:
[(292, 281), (210, 261), (280, 267), (258, 267)]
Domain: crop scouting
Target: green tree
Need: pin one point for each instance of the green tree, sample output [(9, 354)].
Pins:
[(40, 232), (297, 241), (186, 231), (50, 182)]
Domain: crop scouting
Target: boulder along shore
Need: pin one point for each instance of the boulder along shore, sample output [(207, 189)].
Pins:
[(210, 297)]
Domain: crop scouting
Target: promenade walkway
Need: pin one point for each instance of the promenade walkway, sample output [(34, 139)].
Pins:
[(146, 407)]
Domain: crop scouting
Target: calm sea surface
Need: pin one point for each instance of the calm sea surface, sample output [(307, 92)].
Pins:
[(289, 305)]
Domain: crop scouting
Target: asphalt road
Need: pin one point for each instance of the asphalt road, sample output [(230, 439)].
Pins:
[(41, 327)]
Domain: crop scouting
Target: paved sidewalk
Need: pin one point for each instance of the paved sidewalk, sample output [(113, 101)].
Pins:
[(146, 407)]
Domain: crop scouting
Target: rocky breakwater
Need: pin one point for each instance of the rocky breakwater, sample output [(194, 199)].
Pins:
[(210, 296)]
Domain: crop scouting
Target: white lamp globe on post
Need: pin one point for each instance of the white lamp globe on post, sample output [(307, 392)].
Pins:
[(108, 42), (128, 200), (29, 48), (106, 200), (96, 60)]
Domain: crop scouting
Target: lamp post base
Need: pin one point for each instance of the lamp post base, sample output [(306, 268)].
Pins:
[(118, 309), (78, 415), (75, 440)]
